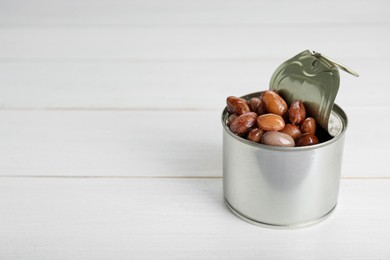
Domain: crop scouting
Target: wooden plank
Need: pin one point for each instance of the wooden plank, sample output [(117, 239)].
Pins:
[(183, 85), (136, 85), (185, 13), (176, 219), (127, 143), (208, 43), (154, 143)]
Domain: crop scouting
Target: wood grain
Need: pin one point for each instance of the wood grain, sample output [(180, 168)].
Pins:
[(176, 219), (110, 132), (188, 13), (152, 143), (164, 85), (210, 43)]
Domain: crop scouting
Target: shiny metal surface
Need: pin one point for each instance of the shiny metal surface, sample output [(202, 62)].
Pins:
[(312, 78), (266, 225), (336, 63), (282, 186)]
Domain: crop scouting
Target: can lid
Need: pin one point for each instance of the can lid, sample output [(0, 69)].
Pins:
[(312, 78)]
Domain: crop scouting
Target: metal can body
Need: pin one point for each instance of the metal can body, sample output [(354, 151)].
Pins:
[(282, 187)]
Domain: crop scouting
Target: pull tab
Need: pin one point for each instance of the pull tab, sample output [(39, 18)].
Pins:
[(337, 64)]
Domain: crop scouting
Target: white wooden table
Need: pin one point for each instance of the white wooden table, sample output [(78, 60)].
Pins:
[(110, 134)]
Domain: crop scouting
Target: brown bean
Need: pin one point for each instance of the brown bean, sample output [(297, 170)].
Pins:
[(231, 118), (307, 139), (270, 122), (244, 100), (257, 106), (275, 138), (291, 130), (254, 104), (308, 126), (255, 134), (237, 105), (241, 124), (261, 110), (274, 103), (297, 112)]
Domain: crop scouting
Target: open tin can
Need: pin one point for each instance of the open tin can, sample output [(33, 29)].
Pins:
[(289, 187)]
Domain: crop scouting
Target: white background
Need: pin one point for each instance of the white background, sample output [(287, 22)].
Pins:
[(110, 134)]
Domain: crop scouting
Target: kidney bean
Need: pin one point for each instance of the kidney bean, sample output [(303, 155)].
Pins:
[(255, 134), (308, 126), (270, 122), (253, 120), (242, 124), (307, 139), (297, 112), (257, 106), (231, 118), (237, 105), (275, 138), (274, 103), (291, 130)]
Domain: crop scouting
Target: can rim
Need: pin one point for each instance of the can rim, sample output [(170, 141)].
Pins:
[(279, 226), (338, 110)]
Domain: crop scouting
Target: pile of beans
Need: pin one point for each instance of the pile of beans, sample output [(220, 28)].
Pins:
[(268, 120)]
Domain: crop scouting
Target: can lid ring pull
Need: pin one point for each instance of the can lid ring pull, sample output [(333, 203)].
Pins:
[(337, 64)]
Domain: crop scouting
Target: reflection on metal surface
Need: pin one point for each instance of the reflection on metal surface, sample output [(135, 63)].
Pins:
[(312, 78), (335, 125), (337, 64)]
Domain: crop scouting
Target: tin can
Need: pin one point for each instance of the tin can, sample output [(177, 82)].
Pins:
[(283, 187), (290, 187)]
